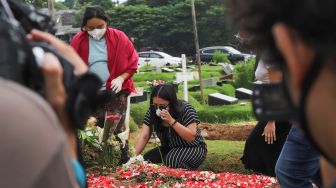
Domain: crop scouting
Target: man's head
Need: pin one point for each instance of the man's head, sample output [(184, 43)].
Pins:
[(299, 37)]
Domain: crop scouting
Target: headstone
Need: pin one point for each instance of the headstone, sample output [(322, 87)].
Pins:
[(210, 82), (179, 70), (227, 68), (242, 93), (167, 70), (140, 96), (195, 88), (220, 99)]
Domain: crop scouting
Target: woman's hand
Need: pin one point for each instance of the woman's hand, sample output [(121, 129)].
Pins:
[(165, 116), (269, 132)]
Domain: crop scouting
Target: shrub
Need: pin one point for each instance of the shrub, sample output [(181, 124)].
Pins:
[(197, 94), (146, 68), (226, 89), (220, 57), (243, 74), (132, 125), (150, 76), (138, 111), (226, 114)]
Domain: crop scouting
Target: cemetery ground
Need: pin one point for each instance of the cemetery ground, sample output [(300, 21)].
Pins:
[(225, 128)]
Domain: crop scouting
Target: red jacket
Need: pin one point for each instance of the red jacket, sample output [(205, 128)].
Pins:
[(121, 55)]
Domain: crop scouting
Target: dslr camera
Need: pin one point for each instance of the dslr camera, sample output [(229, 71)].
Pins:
[(19, 61)]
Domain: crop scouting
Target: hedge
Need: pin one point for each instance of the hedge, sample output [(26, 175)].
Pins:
[(226, 114)]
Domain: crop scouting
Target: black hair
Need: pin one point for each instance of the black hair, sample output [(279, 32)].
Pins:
[(312, 20), (94, 12), (166, 92)]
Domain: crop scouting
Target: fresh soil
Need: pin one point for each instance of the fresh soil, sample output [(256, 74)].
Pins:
[(234, 132)]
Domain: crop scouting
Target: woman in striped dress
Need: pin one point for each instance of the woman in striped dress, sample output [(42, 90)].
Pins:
[(175, 123)]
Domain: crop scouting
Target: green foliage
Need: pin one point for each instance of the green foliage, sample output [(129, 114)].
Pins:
[(103, 3), (60, 6), (138, 111), (197, 94), (220, 57), (69, 3), (150, 76), (132, 125), (206, 75), (226, 114), (37, 3), (243, 74), (146, 68), (226, 89), (167, 24)]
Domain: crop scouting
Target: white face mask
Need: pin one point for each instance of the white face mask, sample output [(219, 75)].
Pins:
[(158, 112), (97, 33)]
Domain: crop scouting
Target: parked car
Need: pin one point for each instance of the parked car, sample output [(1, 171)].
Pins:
[(158, 59), (234, 55)]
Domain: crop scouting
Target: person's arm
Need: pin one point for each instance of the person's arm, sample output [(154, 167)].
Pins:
[(188, 133), (143, 139)]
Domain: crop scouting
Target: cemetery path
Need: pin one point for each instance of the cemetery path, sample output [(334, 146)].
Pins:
[(234, 131)]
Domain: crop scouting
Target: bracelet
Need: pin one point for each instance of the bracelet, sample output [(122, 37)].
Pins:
[(173, 123)]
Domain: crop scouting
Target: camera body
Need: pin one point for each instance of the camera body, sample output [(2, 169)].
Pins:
[(272, 102), (19, 62)]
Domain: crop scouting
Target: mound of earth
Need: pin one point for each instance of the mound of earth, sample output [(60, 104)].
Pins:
[(236, 132)]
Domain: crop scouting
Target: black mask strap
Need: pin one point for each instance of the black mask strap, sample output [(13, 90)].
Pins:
[(310, 79)]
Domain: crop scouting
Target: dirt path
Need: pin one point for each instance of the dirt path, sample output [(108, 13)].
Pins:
[(237, 132)]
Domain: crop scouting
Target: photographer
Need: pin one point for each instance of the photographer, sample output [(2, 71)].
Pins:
[(299, 39), (175, 124), (38, 148)]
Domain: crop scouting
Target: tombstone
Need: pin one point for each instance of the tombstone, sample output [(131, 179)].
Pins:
[(195, 88), (210, 82), (140, 96), (179, 70), (227, 68), (242, 93), (220, 99), (167, 70)]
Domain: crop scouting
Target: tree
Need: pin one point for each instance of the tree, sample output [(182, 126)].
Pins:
[(107, 4), (69, 3), (37, 3)]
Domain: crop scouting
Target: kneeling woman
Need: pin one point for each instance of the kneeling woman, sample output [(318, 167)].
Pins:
[(175, 123)]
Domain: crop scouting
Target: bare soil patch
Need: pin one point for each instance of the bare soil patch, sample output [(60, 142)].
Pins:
[(234, 132)]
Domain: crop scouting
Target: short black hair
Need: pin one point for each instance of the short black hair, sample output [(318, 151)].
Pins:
[(94, 12), (313, 20)]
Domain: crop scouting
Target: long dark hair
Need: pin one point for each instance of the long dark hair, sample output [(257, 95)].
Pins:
[(166, 92), (94, 12)]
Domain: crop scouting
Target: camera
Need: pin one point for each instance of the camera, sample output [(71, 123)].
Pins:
[(272, 102), (19, 61)]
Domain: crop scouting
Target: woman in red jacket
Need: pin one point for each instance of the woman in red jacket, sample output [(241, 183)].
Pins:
[(110, 54)]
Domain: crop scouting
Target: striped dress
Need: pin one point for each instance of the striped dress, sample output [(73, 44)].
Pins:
[(175, 151)]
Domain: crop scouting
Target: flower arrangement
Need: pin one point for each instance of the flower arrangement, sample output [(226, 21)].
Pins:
[(149, 175)]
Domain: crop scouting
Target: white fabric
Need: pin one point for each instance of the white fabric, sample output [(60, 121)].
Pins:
[(261, 73), (97, 33), (116, 84)]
